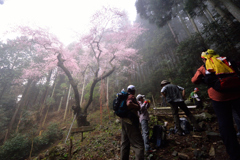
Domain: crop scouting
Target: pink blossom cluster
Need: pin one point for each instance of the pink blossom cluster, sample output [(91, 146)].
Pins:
[(108, 43)]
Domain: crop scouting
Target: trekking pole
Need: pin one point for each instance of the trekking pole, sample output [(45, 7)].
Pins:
[(70, 127)]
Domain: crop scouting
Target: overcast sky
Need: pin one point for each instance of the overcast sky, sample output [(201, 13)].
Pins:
[(61, 16)]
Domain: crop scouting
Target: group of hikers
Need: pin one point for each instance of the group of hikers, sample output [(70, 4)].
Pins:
[(222, 78)]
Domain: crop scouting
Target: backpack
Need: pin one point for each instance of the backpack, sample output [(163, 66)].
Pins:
[(159, 136), (224, 82), (119, 104), (185, 125)]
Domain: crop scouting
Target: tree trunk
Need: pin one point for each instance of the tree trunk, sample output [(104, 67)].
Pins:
[(30, 154), (205, 17), (172, 60), (176, 58), (154, 105), (45, 92), (65, 113), (3, 90), (196, 29), (54, 85), (194, 24), (143, 68), (83, 88), (167, 66), (19, 121), (108, 98), (174, 35), (138, 74), (47, 87), (232, 8), (172, 56), (36, 96), (100, 100), (6, 135), (60, 104), (142, 78), (93, 85), (220, 12), (210, 14), (82, 117), (19, 106), (71, 81), (184, 25)]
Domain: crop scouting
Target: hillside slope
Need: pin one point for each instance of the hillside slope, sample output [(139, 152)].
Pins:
[(104, 141)]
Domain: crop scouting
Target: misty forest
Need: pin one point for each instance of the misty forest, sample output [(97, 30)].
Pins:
[(56, 101)]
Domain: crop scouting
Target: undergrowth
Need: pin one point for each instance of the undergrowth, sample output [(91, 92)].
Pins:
[(103, 142), (19, 147)]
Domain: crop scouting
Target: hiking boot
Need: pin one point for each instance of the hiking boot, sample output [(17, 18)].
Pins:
[(151, 151), (181, 133), (198, 129)]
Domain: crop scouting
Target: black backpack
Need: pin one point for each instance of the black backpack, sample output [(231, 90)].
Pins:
[(185, 125), (119, 104), (159, 136)]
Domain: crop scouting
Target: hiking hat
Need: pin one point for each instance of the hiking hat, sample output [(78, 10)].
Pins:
[(209, 53), (196, 89), (140, 96), (164, 82), (131, 88)]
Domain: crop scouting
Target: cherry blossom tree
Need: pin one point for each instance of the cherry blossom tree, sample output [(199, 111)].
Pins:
[(108, 43)]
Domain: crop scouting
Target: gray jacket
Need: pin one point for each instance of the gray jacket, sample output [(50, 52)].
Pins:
[(173, 93)]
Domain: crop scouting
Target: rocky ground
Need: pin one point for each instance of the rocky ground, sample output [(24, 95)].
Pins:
[(104, 142)]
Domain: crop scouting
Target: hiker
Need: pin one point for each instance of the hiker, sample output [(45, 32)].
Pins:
[(143, 119), (175, 96), (195, 98), (131, 133), (223, 102)]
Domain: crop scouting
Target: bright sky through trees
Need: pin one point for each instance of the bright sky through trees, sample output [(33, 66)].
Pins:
[(62, 17)]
